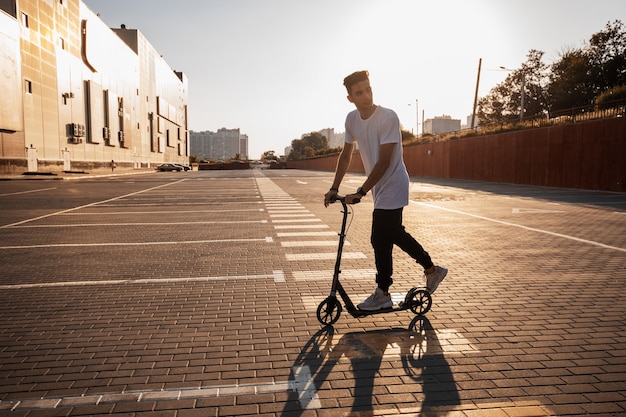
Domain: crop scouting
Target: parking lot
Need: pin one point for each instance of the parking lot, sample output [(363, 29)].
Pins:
[(195, 293)]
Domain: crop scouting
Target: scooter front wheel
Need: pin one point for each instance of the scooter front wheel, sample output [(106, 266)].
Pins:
[(419, 301), (328, 311)]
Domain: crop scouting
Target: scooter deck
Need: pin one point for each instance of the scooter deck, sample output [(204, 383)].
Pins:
[(362, 313)]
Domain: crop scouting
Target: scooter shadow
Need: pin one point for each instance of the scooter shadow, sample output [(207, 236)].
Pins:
[(417, 347)]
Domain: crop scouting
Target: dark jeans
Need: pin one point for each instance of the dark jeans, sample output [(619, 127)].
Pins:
[(387, 230)]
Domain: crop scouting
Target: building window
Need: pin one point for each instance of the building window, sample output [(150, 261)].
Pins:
[(10, 7), (61, 43), (25, 20), (28, 87)]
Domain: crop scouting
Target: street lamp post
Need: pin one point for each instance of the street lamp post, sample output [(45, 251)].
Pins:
[(417, 119), (523, 93)]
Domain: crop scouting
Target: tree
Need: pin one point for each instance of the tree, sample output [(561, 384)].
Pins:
[(570, 84), (269, 156), (308, 146), (610, 97), (407, 137), (503, 103), (576, 80), (581, 75), (607, 57), (491, 108)]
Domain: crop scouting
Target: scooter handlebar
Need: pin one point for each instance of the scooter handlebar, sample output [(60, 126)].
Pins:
[(342, 199)]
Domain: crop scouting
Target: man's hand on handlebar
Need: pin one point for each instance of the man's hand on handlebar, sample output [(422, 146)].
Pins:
[(353, 198), (331, 196)]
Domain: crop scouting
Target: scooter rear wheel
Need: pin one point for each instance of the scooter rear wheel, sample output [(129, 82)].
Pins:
[(328, 311), (419, 301)]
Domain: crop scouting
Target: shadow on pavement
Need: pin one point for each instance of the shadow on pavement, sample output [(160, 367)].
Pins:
[(607, 200), (417, 347)]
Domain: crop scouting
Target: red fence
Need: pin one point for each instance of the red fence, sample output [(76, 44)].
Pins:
[(589, 155)]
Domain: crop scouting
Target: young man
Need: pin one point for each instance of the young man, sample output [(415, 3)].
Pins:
[(377, 132)]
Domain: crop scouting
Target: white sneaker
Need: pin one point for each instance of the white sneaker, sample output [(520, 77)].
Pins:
[(434, 278), (376, 301)]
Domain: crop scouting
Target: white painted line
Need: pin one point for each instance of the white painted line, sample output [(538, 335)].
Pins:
[(292, 215), (70, 245), (28, 192), (41, 226), (328, 274), (310, 243), (305, 387), (126, 213), (88, 205), (527, 210), (533, 408), (324, 256), (295, 220), (279, 276), (276, 276), (307, 234), (174, 203), (274, 212), (155, 395), (532, 229), (301, 226), (347, 180)]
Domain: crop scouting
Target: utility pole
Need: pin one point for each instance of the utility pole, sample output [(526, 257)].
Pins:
[(523, 92), (480, 62), (417, 120)]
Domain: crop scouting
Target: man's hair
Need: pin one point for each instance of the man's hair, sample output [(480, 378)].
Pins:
[(354, 78)]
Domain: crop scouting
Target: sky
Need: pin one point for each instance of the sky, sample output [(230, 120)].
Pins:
[(275, 68)]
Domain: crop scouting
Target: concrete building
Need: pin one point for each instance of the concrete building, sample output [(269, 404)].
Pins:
[(221, 145), (335, 140), (441, 124), (468, 124), (338, 140), (77, 94)]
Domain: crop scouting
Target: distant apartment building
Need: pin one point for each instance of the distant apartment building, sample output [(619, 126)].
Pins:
[(335, 140), (77, 94), (468, 124), (441, 124), (221, 145), (328, 133)]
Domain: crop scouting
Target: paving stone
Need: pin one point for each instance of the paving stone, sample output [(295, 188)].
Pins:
[(191, 316)]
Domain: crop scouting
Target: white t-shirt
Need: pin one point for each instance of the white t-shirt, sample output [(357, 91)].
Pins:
[(383, 126)]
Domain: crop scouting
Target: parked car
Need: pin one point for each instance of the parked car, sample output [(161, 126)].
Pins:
[(169, 167), (184, 167)]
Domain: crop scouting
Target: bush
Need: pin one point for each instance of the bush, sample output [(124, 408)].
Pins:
[(610, 97)]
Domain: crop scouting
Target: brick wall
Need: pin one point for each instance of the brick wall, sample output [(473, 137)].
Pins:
[(589, 155)]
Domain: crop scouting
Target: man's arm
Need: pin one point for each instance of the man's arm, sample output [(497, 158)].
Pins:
[(382, 165), (343, 163)]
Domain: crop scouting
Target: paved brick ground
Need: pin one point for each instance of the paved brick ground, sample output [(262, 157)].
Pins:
[(184, 294)]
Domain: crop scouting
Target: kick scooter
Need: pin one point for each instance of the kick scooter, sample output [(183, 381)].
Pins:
[(418, 300)]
